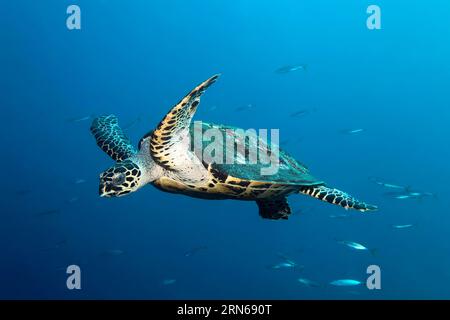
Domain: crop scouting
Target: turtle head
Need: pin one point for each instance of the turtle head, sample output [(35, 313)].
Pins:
[(122, 178)]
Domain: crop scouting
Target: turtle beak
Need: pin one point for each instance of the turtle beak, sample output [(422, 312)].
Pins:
[(102, 190), (105, 190)]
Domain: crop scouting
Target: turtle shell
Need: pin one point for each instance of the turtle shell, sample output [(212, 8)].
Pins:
[(234, 154)]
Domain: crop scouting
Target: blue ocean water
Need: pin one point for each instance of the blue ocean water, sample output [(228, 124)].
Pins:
[(136, 59)]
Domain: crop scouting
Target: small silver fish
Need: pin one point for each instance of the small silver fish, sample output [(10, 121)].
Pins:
[(339, 216), (282, 265), (386, 185), (303, 112), (402, 226), (290, 68), (408, 194), (79, 119), (243, 108), (356, 246), (390, 185), (353, 245), (299, 113), (352, 131), (112, 252), (79, 181), (402, 195), (309, 283), (345, 282), (167, 282), (421, 194), (286, 263), (73, 199), (195, 250)]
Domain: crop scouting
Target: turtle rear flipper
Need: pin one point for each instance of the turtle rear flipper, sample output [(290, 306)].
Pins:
[(170, 141), (111, 139), (277, 208), (338, 197)]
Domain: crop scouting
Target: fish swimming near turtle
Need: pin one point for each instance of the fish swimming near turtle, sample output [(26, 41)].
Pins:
[(356, 246), (408, 194), (286, 263), (168, 282), (402, 226), (290, 68), (309, 283), (351, 131), (195, 250), (387, 185), (112, 253), (345, 283), (166, 159), (80, 119), (244, 108)]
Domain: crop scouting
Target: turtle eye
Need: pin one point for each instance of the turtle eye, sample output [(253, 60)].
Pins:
[(118, 179)]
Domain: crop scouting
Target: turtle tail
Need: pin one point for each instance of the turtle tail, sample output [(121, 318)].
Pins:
[(337, 197)]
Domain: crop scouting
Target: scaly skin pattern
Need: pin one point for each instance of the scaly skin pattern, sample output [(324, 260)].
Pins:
[(111, 139), (166, 160), (337, 197), (167, 136)]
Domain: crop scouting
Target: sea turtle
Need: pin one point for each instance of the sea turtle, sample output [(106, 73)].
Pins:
[(165, 158)]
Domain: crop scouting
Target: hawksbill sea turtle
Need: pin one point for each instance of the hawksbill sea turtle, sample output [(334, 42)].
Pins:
[(166, 159)]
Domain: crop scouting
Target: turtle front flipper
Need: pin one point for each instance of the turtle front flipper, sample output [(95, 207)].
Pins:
[(275, 208), (171, 140), (111, 139), (337, 197)]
